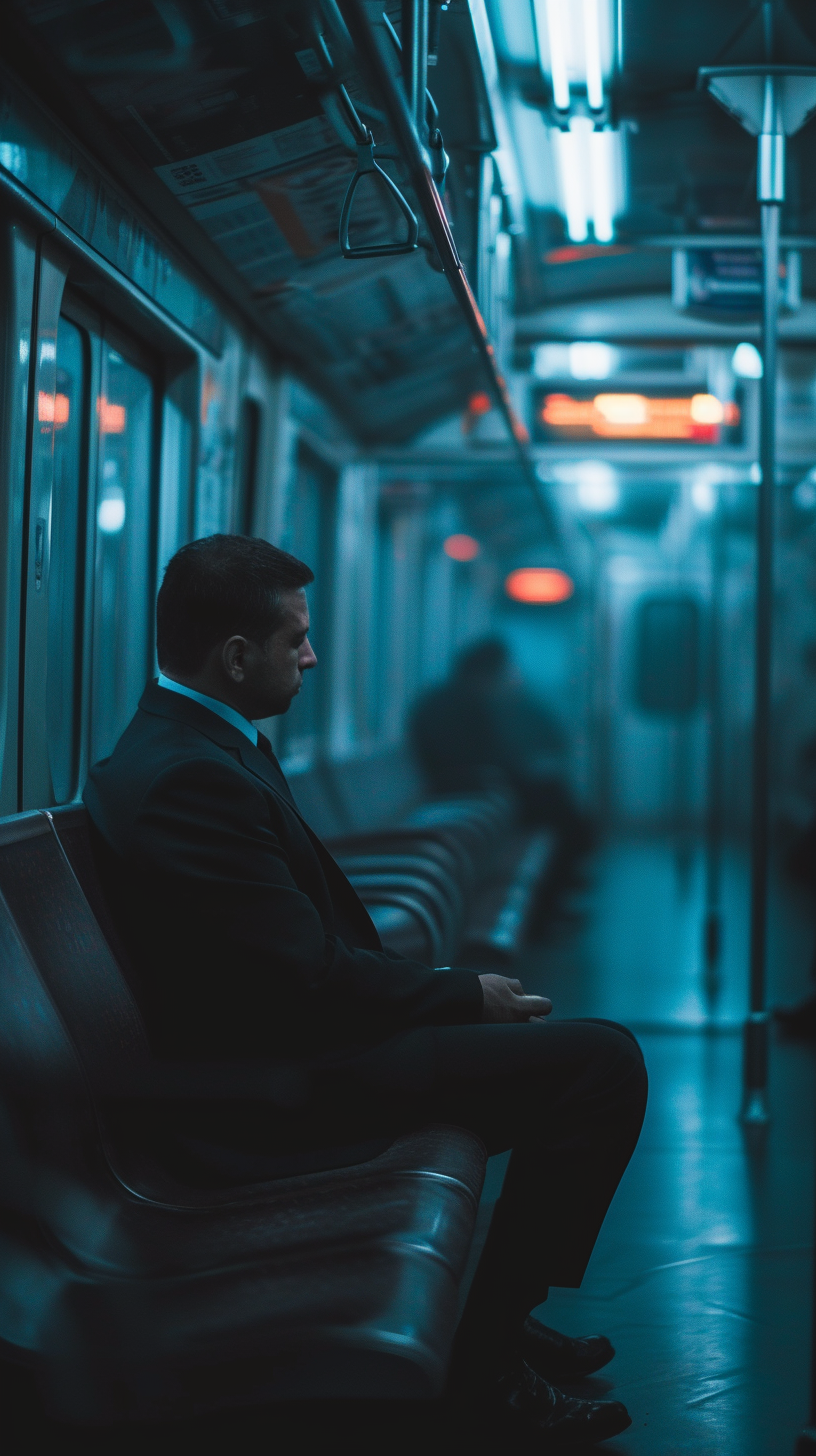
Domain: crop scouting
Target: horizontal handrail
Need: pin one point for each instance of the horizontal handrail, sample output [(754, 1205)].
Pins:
[(430, 202)]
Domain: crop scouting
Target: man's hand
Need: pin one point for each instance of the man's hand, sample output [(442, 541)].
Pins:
[(505, 1001)]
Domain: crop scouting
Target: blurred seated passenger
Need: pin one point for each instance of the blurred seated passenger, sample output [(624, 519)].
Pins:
[(482, 729), (251, 944)]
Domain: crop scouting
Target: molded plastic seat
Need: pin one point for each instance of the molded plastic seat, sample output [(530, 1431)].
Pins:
[(153, 1298)]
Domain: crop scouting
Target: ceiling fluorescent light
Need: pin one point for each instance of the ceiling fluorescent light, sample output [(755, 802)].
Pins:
[(592, 54), (550, 23), (603, 170), (573, 169)]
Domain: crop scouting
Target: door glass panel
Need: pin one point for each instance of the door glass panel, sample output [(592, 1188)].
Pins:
[(123, 577), (63, 685)]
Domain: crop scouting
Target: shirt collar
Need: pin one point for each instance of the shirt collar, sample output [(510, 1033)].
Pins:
[(230, 715)]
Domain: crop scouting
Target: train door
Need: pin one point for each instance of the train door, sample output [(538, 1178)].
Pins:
[(89, 583)]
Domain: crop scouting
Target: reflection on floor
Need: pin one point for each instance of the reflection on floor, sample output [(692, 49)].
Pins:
[(702, 1273)]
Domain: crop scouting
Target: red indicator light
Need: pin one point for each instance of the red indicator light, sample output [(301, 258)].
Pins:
[(539, 584), (461, 547), (480, 404)]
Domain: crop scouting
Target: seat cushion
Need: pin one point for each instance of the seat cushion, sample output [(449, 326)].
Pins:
[(338, 1284)]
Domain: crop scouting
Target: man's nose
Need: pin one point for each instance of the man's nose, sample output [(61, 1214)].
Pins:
[(307, 656)]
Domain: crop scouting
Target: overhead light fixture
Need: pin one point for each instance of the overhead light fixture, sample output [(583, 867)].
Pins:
[(592, 360), (592, 54), (573, 177), (590, 177), (746, 361), (461, 547), (597, 490), (539, 585), (602, 170), (574, 48), (551, 23)]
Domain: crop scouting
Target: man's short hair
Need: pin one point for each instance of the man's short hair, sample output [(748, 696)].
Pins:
[(220, 587)]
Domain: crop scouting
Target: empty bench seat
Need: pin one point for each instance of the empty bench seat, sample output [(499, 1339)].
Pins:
[(148, 1297)]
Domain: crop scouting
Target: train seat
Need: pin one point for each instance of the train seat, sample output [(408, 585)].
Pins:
[(439, 876), (149, 1297)]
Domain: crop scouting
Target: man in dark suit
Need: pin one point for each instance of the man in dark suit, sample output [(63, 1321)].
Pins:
[(248, 941)]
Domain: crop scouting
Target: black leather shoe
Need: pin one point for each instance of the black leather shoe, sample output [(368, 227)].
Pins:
[(538, 1409), (559, 1357)]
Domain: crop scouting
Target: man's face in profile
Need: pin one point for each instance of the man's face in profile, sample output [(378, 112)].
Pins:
[(276, 673)]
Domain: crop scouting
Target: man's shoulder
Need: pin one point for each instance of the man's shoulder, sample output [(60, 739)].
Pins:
[(155, 750)]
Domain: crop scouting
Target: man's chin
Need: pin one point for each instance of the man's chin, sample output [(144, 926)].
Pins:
[(282, 707)]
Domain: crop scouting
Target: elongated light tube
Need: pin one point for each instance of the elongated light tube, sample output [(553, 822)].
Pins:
[(592, 54), (602, 164), (573, 178), (549, 18)]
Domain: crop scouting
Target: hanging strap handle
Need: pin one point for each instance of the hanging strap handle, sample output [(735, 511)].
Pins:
[(366, 164)]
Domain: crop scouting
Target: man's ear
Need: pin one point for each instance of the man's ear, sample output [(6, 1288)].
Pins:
[(233, 657)]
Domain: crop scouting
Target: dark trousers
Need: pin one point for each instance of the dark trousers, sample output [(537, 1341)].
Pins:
[(567, 1096)]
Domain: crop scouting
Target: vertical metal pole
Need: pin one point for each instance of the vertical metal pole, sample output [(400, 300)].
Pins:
[(415, 60), (771, 171), (712, 933)]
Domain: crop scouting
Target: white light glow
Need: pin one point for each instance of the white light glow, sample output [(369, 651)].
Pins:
[(592, 54), (804, 494), (703, 495), (746, 361), (706, 409), (590, 178), (623, 409), (592, 360), (573, 177), (553, 18), (110, 517), (602, 163), (597, 489)]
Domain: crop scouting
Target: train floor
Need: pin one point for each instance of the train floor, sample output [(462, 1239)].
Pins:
[(702, 1273)]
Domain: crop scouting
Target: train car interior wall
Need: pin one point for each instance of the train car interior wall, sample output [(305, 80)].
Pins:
[(501, 316)]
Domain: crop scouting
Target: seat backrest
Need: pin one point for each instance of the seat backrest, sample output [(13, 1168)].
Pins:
[(73, 830), (377, 789), (72, 956)]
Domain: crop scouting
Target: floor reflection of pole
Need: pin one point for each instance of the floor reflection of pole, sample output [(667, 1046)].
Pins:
[(712, 929)]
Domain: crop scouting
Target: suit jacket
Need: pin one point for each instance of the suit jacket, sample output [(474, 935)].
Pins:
[(246, 935)]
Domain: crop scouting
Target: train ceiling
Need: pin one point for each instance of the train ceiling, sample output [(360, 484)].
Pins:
[(216, 112), (225, 102)]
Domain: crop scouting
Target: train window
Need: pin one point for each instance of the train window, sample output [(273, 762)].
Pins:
[(123, 544), (64, 633), (311, 536), (246, 467)]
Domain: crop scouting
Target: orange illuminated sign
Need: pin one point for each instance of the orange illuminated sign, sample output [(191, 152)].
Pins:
[(539, 585), (696, 417), (53, 409), (461, 547), (112, 417)]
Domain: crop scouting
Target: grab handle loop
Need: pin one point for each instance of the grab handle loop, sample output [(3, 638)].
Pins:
[(366, 164)]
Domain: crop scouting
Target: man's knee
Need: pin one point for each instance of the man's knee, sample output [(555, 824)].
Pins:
[(617, 1062)]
